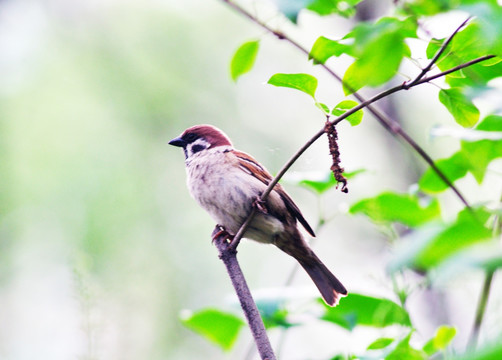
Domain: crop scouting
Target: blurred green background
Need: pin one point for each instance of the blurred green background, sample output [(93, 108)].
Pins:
[(101, 247)]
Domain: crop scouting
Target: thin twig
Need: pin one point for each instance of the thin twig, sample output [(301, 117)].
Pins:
[(237, 238), (437, 55), (385, 93), (485, 292), (456, 68), (229, 258), (480, 310)]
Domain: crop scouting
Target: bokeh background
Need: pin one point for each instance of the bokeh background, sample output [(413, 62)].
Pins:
[(101, 247)]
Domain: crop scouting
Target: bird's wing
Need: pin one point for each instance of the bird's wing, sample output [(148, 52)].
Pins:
[(252, 167)]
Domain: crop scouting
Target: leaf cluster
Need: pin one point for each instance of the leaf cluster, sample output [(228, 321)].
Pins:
[(424, 240)]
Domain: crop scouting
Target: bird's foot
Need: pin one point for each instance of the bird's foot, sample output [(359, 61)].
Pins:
[(260, 206), (221, 234)]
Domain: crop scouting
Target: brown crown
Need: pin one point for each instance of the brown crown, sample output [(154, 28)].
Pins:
[(213, 135)]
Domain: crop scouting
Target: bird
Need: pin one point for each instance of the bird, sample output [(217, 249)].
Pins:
[(227, 183)]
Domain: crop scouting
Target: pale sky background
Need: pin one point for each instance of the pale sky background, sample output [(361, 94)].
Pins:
[(101, 247)]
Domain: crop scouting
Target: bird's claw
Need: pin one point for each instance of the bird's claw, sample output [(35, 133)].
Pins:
[(220, 233), (260, 206)]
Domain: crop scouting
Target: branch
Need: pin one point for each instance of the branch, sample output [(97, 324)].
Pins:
[(480, 310), (438, 55), (228, 251), (485, 291), (456, 68), (228, 255), (237, 238), (392, 126)]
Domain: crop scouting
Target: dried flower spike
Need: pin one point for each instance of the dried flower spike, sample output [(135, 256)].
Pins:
[(332, 134)]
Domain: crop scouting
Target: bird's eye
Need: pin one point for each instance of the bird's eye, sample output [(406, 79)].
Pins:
[(190, 137)]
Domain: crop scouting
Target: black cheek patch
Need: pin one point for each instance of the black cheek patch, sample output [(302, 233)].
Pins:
[(197, 148)]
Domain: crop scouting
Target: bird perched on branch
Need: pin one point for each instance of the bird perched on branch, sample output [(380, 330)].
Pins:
[(227, 183)]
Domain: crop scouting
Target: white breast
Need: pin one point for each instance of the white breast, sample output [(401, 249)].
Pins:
[(227, 193)]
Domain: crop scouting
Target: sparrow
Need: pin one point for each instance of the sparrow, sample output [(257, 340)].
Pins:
[(227, 182)]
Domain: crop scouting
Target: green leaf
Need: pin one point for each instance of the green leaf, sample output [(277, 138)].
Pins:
[(475, 76), (454, 167), (319, 182), (385, 54), (460, 106), (357, 309), (352, 174), (430, 246), (442, 338), (291, 9), (325, 48), (344, 8), (485, 27), (342, 107), (485, 256), (215, 325), (366, 33), (377, 46), (244, 58), (380, 343), (490, 123), (474, 157), (324, 108), (403, 350), (427, 7), (273, 312), (433, 47), (488, 352), (303, 82), (482, 36), (277, 319), (320, 185), (479, 154), (390, 207), (342, 357)]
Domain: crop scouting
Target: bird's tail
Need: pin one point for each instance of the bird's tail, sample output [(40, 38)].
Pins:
[(330, 287)]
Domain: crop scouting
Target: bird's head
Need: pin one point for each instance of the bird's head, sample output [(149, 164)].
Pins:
[(199, 138)]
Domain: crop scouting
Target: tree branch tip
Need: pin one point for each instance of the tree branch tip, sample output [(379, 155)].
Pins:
[(280, 35)]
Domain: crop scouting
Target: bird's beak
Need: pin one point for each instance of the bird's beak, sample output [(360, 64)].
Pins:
[(177, 142)]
